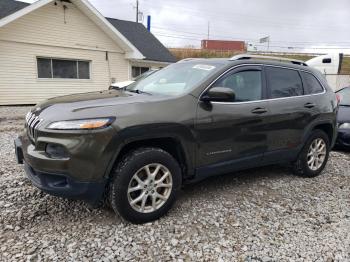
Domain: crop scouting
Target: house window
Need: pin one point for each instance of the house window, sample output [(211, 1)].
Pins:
[(137, 70), (63, 68)]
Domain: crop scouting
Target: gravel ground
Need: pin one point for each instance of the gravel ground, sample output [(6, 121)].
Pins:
[(263, 214)]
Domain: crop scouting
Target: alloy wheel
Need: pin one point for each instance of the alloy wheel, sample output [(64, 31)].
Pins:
[(150, 188), (316, 154)]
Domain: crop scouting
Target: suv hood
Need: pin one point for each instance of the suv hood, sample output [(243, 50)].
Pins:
[(83, 101), (92, 104)]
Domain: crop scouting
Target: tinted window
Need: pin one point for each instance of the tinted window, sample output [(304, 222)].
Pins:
[(84, 69), (246, 85), (44, 68), (64, 69), (283, 82), (136, 70), (327, 60), (311, 84)]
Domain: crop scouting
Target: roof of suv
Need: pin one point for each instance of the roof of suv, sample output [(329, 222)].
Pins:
[(228, 62)]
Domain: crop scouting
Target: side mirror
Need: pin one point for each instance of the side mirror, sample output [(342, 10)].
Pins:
[(219, 94)]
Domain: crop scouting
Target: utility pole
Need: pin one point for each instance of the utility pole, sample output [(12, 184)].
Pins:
[(208, 30), (137, 11)]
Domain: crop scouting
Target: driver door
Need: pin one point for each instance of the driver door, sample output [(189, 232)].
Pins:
[(233, 135)]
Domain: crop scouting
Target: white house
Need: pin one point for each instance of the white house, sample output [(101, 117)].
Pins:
[(58, 47)]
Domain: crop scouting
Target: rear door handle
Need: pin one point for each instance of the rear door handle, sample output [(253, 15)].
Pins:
[(259, 110), (309, 105)]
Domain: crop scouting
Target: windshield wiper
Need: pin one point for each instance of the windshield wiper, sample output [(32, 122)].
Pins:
[(137, 91)]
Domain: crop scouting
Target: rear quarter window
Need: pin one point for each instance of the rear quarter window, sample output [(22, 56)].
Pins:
[(311, 84), (283, 82)]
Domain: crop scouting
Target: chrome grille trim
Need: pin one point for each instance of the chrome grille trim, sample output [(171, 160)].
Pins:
[(32, 124)]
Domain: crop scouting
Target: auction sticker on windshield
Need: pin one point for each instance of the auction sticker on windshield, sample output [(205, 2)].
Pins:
[(204, 67)]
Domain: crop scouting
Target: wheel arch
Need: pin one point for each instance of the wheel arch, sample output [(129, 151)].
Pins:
[(169, 144), (180, 145), (326, 126)]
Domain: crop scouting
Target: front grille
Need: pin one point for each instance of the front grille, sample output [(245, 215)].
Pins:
[(32, 124)]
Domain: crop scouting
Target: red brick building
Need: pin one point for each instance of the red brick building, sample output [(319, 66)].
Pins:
[(224, 45)]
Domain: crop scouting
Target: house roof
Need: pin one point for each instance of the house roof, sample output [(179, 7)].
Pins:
[(134, 36), (143, 40), (8, 7)]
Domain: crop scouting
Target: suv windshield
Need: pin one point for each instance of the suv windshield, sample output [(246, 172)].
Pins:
[(175, 79), (344, 96)]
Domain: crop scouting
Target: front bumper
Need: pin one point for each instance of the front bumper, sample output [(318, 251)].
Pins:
[(80, 175), (63, 186), (343, 138)]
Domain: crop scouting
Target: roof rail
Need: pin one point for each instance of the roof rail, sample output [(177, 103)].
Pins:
[(281, 59), (188, 59)]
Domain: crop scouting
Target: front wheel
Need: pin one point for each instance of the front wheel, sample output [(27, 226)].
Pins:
[(144, 185), (314, 156)]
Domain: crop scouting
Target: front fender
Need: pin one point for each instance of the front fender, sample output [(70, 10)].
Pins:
[(180, 133)]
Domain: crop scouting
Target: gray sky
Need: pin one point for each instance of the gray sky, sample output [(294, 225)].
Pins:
[(293, 25)]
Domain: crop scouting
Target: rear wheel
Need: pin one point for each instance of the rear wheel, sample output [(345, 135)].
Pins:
[(314, 156), (144, 185)]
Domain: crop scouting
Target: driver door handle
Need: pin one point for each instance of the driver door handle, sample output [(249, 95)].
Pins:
[(309, 105), (259, 110)]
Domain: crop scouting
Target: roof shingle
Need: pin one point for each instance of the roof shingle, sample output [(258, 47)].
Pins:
[(143, 40), (8, 7)]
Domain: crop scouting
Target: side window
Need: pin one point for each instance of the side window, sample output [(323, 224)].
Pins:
[(247, 85), (283, 82), (63, 68), (137, 71), (311, 84)]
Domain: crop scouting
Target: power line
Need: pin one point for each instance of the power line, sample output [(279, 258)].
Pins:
[(233, 17), (242, 38), (246, 39), (257, 45)]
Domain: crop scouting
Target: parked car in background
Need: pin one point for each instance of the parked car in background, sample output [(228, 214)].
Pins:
[(343, 139), (196, 118), (124, 84), (330, 64)]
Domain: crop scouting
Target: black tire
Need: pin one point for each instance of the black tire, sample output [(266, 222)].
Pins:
[(300, 166), (123, 173)]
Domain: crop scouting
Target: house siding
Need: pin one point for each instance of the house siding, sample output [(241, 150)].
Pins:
[(18, 72), (43, 33), (47, 26)]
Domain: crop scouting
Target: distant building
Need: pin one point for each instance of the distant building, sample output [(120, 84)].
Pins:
[(238, 46)]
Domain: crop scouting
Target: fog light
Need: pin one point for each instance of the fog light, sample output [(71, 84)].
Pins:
[(56, 151)]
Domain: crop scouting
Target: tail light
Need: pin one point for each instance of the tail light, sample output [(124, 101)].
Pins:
[(338, 99)]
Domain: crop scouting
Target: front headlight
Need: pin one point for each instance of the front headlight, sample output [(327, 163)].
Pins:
[(344, 126), (84, 124)]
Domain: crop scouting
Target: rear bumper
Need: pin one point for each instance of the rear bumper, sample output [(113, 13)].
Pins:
[(343, 138)]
